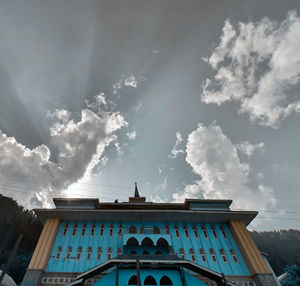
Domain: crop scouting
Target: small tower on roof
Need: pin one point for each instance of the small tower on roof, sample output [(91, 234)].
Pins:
[(136, 191), (136, 198)]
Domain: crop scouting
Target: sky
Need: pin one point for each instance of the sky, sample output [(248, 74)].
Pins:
[(190, 99)]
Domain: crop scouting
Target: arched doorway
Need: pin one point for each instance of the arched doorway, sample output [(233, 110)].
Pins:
[(165, 280), (149, 280)]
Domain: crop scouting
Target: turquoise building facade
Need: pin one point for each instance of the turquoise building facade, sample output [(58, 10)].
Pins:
[(198, 242)]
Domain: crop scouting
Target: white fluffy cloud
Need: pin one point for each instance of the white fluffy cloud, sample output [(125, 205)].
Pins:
[(131, 135), (130, 81), (222, 175), (248, 149), (257, 65), (175, 150), (31, 175)]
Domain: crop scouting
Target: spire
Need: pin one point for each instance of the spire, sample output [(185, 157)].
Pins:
[(137, 199), (136, 191)]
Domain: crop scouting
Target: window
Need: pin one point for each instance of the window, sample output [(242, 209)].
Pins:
[(213, 255), (93, 229), (101, 229), (202, 253), (111, 230), (195, 231), (223, 255), (120, 251), (156, 230), (181, 253), (89, 253), (177, 231), (120, 228), (74, 229), (58, 252), (233, 255), (83, 230), (132, 242), (132, 280), (204, 231), (171, 250), (109, 253), (165, 280), (69, 251), (132, 229), (223, 232), (186, 232), (192, 253), (99, 252), (65, 229), (149, 280), (214, 231), (167, 228), (79, 251)]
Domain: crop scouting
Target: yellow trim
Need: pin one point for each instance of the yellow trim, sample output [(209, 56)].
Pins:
[(39, 244), (43, 248), (249, 250)]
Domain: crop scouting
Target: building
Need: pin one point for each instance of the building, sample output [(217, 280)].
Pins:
[(198, 242)]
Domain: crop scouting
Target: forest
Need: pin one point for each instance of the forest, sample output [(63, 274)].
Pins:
[(282, 247)]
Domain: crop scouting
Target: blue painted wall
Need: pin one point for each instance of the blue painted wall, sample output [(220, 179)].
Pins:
[(116, 241), (124, 276)]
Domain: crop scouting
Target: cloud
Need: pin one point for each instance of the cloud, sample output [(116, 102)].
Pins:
[(175, 151), (120, 151), (163, 186), (104, 160), (30, 173), (257, 65), (222, 175), (260, 176), (248, 149), (130, 81), (131, 135), (158, 199)]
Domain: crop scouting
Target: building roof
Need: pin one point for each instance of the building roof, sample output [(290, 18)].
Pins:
[(192, 210)]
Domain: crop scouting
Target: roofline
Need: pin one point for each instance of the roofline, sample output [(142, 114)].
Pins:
[(147, 215), (140, 204)]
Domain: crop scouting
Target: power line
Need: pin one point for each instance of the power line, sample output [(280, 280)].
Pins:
[(278, 218), (288, 212)]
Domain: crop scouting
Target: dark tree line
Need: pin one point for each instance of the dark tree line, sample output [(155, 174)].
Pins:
[(15, 220), (283, 247)]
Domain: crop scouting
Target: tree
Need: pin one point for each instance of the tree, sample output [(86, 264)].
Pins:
[(293, 275)]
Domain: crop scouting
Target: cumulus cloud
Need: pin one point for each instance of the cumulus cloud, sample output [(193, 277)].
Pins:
[(248, 149), (175, 151), (158, 199), (34, 178), (222, 175), (131, 135), (257, 65), (130, 81)]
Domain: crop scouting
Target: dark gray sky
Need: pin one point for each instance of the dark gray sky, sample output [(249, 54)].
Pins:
[(188, 98)]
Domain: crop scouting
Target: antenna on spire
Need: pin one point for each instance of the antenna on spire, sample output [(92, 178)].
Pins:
[(136, 191)]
